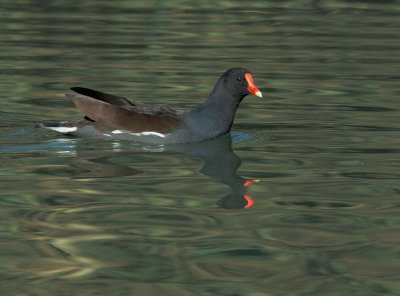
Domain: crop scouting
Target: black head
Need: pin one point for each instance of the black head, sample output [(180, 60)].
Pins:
[(238, 82)]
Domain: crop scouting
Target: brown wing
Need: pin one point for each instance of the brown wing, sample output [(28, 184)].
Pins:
[(111, 112)]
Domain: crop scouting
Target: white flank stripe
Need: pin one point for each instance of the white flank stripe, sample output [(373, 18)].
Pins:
[(117, 132), (149, 134), (62, 129)]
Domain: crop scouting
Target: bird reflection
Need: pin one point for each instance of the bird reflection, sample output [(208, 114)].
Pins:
[(219, 163)]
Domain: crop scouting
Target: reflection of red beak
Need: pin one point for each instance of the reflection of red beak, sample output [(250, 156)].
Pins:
[(250, 201), (252, 87), (249, 182)]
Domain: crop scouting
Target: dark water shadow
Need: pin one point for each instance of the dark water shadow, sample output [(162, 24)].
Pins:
[(219, 163)]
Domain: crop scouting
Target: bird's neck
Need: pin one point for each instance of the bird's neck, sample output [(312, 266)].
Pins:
[(217, 113)]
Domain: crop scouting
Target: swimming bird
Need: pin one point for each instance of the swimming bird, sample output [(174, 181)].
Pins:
[(113, 117)]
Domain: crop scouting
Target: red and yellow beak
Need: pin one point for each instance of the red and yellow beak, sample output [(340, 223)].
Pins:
[(252, 87)]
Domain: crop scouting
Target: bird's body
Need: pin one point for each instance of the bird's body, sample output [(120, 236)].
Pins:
[(113, 117)]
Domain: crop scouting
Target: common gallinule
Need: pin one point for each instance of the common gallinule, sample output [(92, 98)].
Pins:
[(114, 117)]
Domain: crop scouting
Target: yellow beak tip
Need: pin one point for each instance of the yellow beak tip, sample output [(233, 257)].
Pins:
[(258, 94)]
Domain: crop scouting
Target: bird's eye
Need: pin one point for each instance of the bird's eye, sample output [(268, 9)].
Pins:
[(239, 79)]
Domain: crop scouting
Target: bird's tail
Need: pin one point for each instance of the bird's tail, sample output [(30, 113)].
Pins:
[(64, 127)]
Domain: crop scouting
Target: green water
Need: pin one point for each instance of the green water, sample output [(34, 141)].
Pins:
[(87, 217)]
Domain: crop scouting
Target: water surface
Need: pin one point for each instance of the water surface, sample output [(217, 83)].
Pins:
[(95, 217)]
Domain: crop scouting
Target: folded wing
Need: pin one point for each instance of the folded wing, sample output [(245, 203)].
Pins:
[(110, 112)]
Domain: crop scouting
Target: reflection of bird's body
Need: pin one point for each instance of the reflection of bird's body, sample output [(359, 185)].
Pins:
[(113, 117), (219, 163)]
